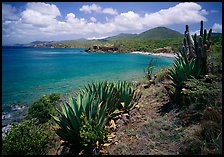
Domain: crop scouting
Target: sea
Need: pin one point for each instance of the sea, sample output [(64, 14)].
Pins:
[(28, 73)]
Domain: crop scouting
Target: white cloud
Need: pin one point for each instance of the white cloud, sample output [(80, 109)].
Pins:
[(39, 20), (96, 8), (9, 12), (93, 19), (197, 32), (110, 11), (91, 8), (217, 28), (40, 14), (181, 13), (44, 8), (101, 37)]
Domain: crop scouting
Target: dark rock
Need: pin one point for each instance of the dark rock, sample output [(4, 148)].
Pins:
[(145, 86)]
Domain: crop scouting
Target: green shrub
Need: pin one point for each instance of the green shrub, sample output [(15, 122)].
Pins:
[(149, 69), (42, 108), (162, 74), (91, 133), (26, 138), (202, 92)]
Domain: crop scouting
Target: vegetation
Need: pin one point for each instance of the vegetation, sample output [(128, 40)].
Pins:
[(26, 138), (88, 113), (191, 60), (43, 107), (83, 120), (149, 70), (147, 41), (201, 93)]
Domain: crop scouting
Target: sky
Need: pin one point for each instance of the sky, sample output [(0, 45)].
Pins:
[(24, 22)]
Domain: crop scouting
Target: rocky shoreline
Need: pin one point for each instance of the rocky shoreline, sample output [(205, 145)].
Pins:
[(14, 115), (165, 51)]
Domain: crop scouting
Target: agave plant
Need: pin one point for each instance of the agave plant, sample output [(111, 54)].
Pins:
[(95, 103), (117, 95), (69, 116), (127, 94), (183, 69)]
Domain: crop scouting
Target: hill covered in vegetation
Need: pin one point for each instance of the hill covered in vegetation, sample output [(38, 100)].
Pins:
[(147, 41)]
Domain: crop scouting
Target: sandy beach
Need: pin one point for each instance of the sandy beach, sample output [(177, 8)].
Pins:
[(156, 54)]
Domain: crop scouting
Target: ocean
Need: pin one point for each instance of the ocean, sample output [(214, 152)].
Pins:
[(29, 73)]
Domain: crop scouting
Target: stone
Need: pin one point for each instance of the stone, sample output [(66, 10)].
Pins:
[(145, 86)]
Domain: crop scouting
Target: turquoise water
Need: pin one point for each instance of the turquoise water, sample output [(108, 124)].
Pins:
[(28, 73)]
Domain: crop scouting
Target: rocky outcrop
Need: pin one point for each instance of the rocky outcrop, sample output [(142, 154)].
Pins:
[(167, 49), (97, 48)]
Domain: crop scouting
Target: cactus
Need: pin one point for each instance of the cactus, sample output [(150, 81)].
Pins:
[(191, 59), (197, 47)]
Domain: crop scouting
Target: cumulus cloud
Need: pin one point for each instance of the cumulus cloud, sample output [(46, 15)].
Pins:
[(217, 28), (9, 12), (39, 20), (93, 19), (40, 14), (181, 13), (96, 8)]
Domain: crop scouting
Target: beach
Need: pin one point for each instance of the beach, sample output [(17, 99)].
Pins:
[(171, 55)]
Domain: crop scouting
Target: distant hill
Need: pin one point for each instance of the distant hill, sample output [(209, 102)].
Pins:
[(216, 38), (157, 33), (122, 36)]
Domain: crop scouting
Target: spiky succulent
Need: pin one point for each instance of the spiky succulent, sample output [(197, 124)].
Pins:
[(97, 102)]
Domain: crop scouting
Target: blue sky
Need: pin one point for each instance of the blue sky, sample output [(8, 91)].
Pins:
[(24, 22)]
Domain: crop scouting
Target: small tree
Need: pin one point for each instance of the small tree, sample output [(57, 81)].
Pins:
[(150, 69)]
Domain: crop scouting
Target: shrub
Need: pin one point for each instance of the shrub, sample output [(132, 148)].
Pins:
[(26, 138), (202, 92), (149, 69), (82, 120), (161, 75), (91, 133), (42, 108)]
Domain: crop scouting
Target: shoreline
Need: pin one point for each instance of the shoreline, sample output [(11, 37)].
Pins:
[(170, 55)]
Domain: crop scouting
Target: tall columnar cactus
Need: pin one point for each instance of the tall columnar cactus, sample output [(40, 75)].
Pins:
[(198, 46), (191, 59)]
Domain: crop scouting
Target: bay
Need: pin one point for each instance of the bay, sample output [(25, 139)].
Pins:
[(29, 73)]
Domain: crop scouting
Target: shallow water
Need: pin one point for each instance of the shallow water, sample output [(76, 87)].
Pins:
[(28, 73)]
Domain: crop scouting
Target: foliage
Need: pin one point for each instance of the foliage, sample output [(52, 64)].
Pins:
[(117, 95), (202, 92), (149, 69), (42, 108), (80, 117), (26, 138), (69, 117), (162, 74), (192, 59), (91, 133), (182, 70), (215, 59)]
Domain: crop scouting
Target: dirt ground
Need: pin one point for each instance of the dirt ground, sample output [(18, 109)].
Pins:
[(149, 131)]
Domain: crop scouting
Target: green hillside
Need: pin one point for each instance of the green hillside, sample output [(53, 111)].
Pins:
[(122, 36), (159, 33)]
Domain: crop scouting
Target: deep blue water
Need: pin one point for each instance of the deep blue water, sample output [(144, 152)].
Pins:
[(28, 73)]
